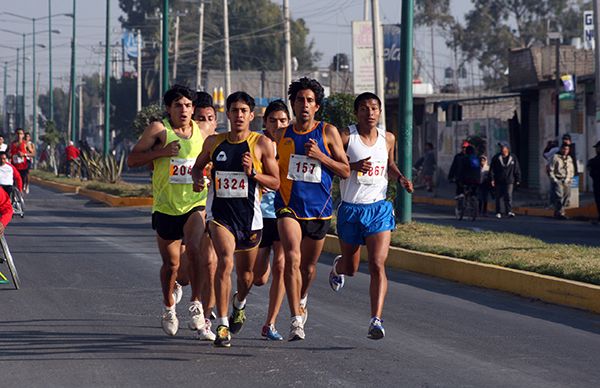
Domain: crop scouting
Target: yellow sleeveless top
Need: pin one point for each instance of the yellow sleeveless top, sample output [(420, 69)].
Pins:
[(172, 176)]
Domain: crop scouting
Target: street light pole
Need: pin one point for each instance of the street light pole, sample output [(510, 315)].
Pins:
[(73, 78), (405, 109), (288, 48), (165, 47), (200, 44), (51, 88), (34, 94), (378, 53), (23, 87), (107, 82), (226, 47), (17, 118)]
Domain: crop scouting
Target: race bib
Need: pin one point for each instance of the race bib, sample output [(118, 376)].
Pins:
[(304, 169), (18, 159), (231, 184), (375, 175), (180, 171)]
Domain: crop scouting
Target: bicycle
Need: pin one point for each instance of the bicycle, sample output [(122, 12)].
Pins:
[(467, 203), (5, 256)]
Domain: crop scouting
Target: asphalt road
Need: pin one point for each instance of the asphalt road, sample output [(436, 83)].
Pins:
[(88, 316)]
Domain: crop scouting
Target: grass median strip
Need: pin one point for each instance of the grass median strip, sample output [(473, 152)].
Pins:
[(121, 189), (567, 261)]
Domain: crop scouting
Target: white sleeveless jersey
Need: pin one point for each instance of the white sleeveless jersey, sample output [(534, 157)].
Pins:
[(370, 187)]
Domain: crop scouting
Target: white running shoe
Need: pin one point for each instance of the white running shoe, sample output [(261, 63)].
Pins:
[(304, 314), (177, 293), (498, 215), (336, 281), (296, 331), (205, 334), (196, 316), (170, 323)]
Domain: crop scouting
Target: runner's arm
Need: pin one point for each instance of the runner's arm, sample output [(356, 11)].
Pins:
[(393, 170), (144, 153), (269, 178), (338, 163), (17, 178), (201, 161)]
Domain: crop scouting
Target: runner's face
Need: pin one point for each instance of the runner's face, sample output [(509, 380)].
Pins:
[(240, 116), (180, 111), (206, 114), (305, 105), (20, 135), (275, 121), (2, 160), (368, 113)]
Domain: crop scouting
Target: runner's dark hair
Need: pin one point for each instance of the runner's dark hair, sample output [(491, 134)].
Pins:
[(177, 92), (365, 96), (303, 84), (243, 97), (276, 106)]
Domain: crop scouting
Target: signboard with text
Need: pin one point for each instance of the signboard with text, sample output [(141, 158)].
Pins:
[(588, 30), (391, 58), (363, 73)]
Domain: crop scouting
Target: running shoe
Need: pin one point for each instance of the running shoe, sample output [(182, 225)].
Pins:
[(511, 214), (170, 323), (296, 331), (237, 317), (223, 338), (205, 334), (336, 281), (498, 215), (376, 330), (304, 314), (177, 293), (270, 333), (196, 316)]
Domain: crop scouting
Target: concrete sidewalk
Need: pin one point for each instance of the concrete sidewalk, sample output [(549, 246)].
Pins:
[(525, 202)]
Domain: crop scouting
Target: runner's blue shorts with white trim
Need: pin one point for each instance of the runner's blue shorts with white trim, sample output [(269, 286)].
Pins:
[(356, 222)]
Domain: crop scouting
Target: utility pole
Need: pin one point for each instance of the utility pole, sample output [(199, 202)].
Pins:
[(597, 60), (227, 63), (378, 53), (161, 64), (23, 117), (200, 44), (405, 109), (139, 70), (73, 75), (80, 125), (165, 46), (366, 10), (107, 83), (51, 88), (17, 113), (288, 48), (5, 122), (34, 91), (176, 56)]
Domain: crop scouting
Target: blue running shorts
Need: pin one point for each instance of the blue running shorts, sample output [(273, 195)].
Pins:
[(355, 222)]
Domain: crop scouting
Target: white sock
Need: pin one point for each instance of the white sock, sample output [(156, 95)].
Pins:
[(297, 318), (303, 301), (172, 308), (239, 304), (223, 321)]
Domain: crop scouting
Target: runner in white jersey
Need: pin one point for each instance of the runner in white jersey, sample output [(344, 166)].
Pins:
[(365, 217)]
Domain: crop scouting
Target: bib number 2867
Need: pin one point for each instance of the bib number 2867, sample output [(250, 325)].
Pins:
[(305, 169)]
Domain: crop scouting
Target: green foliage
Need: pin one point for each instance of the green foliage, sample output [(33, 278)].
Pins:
[(61, 108), (144, 117), (101, 168), (338, 109), (52, 136)]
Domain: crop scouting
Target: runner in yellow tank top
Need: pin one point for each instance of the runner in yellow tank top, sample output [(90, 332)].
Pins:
[(172, 146)]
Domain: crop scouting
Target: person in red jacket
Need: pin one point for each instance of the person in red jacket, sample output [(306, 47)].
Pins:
[(9, 175), (72, 153), (18, 154), (6, 211)]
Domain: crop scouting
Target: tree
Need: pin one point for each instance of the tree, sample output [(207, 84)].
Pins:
[(61, 108), (337, 109), (144, 117), (256, 37), (492, 28)]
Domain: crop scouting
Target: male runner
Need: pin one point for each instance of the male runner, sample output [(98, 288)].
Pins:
[(172, 147), (18, 154), (310, 154), (9, 175), (205, 110), (276, 119), (365, 217), (243, 161)]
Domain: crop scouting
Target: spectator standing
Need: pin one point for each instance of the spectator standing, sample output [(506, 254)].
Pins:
[(485, 186), (561, 176), (3, 145), (454, 167), (505, 173), (72, 154), (593, 166), (428, 164)]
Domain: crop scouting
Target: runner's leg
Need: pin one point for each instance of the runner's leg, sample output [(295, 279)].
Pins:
[(224, 243), (291, 239), (378, 246), (277, 290), (169, 252), (311, 250)]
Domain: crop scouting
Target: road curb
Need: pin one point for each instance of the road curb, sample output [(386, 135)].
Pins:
[(587, 212), (108, 199), (528, 284)]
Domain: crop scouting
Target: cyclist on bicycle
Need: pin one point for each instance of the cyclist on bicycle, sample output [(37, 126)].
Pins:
[(9, 175), (469, 172)]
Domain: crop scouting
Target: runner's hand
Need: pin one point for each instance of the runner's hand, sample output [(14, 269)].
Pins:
[(200, 184), (312, 150), (408, 185), (363, 165), (247, 163), (172, 149)]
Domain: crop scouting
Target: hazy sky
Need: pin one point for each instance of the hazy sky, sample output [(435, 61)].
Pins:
[(328, 20)]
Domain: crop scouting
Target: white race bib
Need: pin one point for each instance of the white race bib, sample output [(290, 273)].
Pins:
[(231, 184), (304, 169), (375, 175), (18, 159), (180, 171)]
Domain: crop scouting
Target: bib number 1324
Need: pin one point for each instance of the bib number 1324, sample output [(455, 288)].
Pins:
[(305, 169), (231, 184)]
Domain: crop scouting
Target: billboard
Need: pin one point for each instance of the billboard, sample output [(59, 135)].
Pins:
[(363, 74), (588, 30), (391, 58)]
